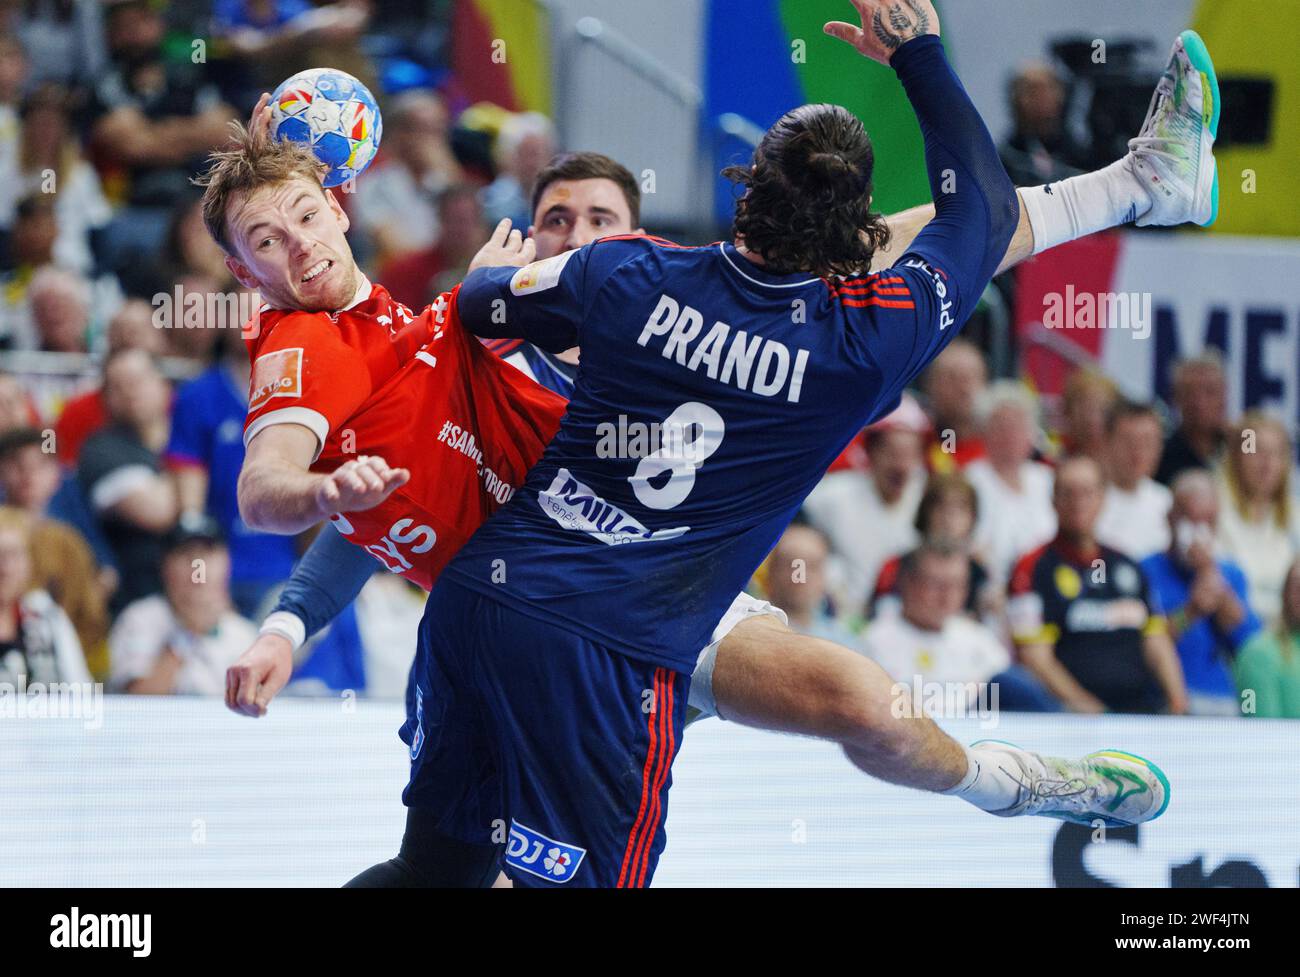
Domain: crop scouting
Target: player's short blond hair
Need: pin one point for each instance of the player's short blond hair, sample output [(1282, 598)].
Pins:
[(251, 163)]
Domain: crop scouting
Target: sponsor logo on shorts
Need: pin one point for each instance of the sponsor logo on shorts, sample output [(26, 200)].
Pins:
[(531, 851), (575, 506), (277, 374)]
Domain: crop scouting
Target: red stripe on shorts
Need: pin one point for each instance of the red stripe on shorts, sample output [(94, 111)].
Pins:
[(647, 777), (665, 709)]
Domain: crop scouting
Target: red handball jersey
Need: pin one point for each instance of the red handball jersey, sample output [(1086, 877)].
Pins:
[(416, 389)]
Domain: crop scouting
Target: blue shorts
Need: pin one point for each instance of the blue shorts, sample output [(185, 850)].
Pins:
[(527, 735)]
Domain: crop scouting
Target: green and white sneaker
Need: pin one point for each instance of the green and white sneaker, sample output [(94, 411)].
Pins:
[(1117, 788), (1173, 155)]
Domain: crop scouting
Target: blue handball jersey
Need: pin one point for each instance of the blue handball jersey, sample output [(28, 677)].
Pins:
[(711, 396)]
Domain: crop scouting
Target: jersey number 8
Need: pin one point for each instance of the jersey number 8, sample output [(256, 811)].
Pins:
[(689, 435)]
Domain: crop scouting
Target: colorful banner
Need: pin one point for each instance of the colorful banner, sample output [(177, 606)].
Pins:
[(1135, 303), (763, 59), (500, 52), (1259, 184)]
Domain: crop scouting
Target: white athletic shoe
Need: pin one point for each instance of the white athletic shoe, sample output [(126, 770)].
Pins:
[(1173, 155), (1119, 789)]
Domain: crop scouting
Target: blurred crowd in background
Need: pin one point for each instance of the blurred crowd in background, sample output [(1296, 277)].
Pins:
[(1092, 554)]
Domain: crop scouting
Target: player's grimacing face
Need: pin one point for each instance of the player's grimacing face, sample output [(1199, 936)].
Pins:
[(572, 213), (290, 245)]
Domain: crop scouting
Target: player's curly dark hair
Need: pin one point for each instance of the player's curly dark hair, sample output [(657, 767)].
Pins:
[(807, 200)]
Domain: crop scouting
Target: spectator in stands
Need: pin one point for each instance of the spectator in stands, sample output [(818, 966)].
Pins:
[(187, 250), (416, 279), (397, 206), (192, 248), (796, 583), (1040, 149), (64, 40), (63, 563), (523, 147), (206, 452), (1015, 492), (953, 385), (13, 73), (131, 328), (188, 332), (16, 408), (1083, 615), (1086, 404), (1268, 666), (31, 247), (50, 162), (1200, 395), (272, 39), (37, 641), (1203, 599), (258, 29), (154, 121), (947, 515), (120, 472), (1134, 515), (60, 304), (274, 34), (1259, 525), (36, 482), (931, 638), (13, 78), (870, 516), (182, 640)]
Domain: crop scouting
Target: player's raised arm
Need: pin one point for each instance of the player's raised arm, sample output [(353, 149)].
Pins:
[(508, 294), (923, 299), (886, 26), (976, 207)]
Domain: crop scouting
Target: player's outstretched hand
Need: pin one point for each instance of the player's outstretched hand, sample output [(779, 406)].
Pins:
[(506, 248), (886, 26), (358, 485), (261, 672)]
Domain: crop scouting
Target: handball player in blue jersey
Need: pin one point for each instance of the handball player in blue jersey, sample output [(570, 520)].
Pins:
[(556, 648)]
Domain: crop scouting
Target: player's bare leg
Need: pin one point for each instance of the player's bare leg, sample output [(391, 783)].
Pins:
[(769, 677)]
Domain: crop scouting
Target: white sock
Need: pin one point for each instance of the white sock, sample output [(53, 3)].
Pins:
[(986, 784), (1083, 205)]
